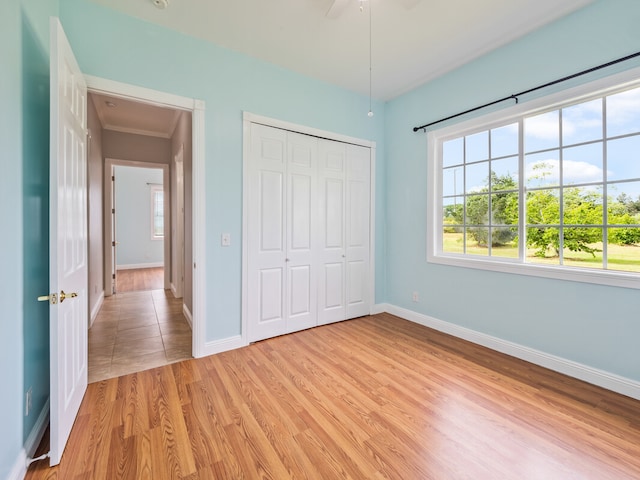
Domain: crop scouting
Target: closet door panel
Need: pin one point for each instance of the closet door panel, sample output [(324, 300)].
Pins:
[(267, 239), (358, 218), (301, 295), (271, 294), (332, 176)]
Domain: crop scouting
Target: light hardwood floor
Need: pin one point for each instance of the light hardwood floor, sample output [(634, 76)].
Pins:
[(371, 398), (136, 331), (136, 279)]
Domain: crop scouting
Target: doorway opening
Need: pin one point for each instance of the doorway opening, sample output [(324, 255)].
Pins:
[(143, 319)]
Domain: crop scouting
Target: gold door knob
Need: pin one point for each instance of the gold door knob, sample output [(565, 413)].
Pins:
[(52, 299), (66, 295)]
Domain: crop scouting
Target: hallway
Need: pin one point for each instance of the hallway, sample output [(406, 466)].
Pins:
[(136, 331)]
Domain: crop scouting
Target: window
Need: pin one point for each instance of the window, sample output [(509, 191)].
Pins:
[(548, 188), (157, 212)]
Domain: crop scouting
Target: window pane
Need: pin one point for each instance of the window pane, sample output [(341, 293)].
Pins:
[(504, 141), (453, 211), (543, 245), (623, 113), (477, 147), (477, 210), (504, 174), (623, 203), (623, 158), (452, 181), (582, 122), (504, 242), (582, 164), (453, 152), (582, 247), (477, 243), (543, 207), (504, 208), (543, 169), (623, 249), (453, 239), (477, 177), (542, 132), (158, 213), (583, 206)]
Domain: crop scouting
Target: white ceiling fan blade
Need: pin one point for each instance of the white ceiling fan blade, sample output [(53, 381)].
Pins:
[(408, 4), (337, 7)]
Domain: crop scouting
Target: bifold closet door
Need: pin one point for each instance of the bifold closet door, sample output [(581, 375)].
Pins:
[(281, 282), (357, 231), (344, 189)]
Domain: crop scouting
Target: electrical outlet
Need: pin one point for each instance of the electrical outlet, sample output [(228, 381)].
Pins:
[(27, 401), (415, 297)]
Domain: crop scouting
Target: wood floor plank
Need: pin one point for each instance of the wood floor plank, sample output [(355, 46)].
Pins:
[(372, 398)]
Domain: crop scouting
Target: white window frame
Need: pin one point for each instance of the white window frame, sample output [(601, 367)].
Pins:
[(153, 190), (435, 138)]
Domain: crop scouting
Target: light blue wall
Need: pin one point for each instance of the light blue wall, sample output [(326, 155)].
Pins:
[(595, 325), (110, 45), (133, 216), (24, 139)]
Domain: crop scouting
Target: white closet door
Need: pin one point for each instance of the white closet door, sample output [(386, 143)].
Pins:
[(301, 264), (332, 252), (266, 281), (358, 199)]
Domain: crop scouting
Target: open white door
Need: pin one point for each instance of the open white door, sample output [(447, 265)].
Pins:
[(68, 240)]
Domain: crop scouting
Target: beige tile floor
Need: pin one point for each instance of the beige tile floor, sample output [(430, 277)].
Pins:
[(135, 331)]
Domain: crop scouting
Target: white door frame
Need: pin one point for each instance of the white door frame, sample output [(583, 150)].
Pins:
[(197, 109), (109, 163), (249, 118), (176, 282)]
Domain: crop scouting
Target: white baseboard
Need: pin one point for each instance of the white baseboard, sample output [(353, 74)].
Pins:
[(223, 345), (174, 291), (131, 266), (37, 432), (187, 314), (380, 308), (96, 309), (19, 470), (607, 380)]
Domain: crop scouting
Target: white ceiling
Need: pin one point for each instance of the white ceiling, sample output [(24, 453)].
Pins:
[(413, 41), (128, 116)]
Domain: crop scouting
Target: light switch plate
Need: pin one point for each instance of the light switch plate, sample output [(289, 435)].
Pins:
[(226, 239)]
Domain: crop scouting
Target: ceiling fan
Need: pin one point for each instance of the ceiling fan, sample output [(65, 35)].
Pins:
[(338, 6)]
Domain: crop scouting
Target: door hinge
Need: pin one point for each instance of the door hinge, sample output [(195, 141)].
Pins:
[(113, 244), (113, 178), (113, 210), (114, 276)]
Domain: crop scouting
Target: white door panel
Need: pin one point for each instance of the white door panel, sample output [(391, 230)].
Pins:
[(358, 230), (282, 233), (308, 220), (271, 295), (300, 219), (271, 197), (266, 275), (68, 241), (302, 222), (332, 176)]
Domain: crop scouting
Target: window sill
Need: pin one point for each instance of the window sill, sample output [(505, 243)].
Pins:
[(599, 277)]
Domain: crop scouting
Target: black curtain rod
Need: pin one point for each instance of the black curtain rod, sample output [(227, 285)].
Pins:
[(539, 87)]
